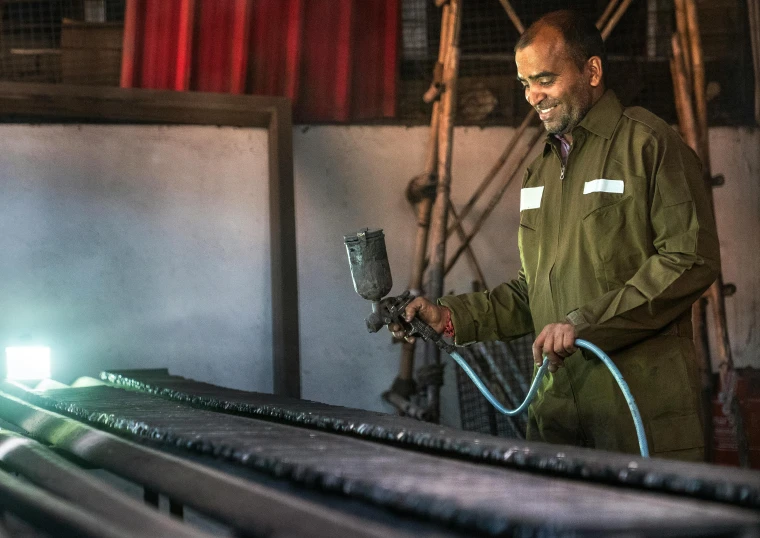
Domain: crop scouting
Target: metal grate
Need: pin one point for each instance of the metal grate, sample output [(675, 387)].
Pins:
[(64, 41), (638, 58), (506, 368)]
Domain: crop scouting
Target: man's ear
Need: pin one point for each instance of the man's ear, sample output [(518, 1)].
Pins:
[(594, 67)]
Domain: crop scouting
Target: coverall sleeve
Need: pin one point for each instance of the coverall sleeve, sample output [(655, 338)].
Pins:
[(500, 314), (686, 259)]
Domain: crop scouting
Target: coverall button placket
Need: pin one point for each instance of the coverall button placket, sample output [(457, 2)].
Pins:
[(566, 187), (563, 168)]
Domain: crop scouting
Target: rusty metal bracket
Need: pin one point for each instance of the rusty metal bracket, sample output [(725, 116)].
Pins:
[(421, 187)]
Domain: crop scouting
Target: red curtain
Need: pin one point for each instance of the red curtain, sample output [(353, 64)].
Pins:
[(336, 59)]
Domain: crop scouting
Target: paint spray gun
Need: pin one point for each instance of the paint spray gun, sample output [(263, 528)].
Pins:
[(372, 278)]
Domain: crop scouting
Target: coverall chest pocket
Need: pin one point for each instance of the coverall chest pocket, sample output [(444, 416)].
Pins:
[(597, 201), (612, 229)]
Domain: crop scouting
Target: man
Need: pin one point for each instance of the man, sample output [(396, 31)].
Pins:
[(616, 240)]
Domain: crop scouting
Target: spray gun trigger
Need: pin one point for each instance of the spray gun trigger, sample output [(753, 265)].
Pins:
[(387, 311)]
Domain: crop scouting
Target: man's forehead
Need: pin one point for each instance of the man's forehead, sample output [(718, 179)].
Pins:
[(546, 53), (549, 36)]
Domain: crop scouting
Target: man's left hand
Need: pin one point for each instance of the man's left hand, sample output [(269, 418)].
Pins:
[(556, 341)]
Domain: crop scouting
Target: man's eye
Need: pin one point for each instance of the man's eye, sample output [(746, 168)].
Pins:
[(546, 82)]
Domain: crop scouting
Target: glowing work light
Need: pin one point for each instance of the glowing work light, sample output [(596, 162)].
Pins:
[(27, 362)]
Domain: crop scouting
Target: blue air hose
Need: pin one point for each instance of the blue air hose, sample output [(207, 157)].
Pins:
[(643, 446)]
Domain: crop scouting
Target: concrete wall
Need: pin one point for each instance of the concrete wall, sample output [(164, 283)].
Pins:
[(137, 246), (148, 246)]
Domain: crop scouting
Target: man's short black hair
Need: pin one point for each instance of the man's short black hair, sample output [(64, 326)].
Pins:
[(581, 35)]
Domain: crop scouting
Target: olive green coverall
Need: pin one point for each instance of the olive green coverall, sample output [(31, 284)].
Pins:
[(619, 242)]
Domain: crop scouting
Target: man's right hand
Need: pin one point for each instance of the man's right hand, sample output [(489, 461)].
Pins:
[(432, 314)]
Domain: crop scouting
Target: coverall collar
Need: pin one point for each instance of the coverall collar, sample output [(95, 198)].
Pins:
[(601, 120)]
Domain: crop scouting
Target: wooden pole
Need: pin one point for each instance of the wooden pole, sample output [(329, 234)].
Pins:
[(406, 367), (431, 166), (682, 31), (512, 15), (619, 12), (681, 90), (718, 307), (424, 206), (698, 67), (434, 288), (753, 12), (606, 14)]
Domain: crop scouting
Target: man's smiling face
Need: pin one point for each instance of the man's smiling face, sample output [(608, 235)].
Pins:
[(554, 85)]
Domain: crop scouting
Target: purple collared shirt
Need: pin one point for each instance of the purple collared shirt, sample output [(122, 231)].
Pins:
[(564, 148)]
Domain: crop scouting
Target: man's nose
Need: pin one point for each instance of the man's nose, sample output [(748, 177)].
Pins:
[(534, 96)]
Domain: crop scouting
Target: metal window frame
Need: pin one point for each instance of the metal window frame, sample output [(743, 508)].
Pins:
[(55, 103)]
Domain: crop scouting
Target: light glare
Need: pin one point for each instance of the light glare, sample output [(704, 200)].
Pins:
[(27, 362)]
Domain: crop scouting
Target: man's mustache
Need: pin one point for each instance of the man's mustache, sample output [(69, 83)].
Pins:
[(543, 105)]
